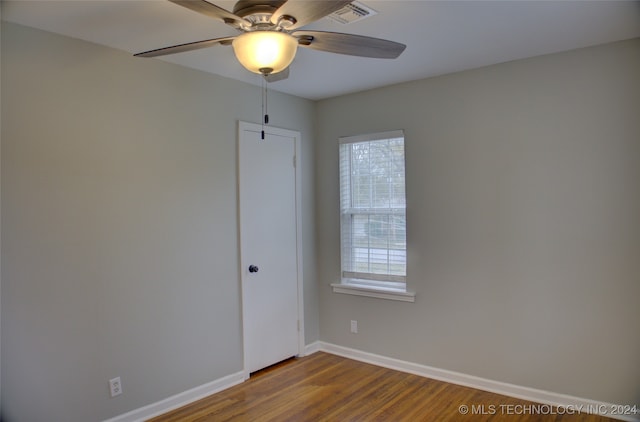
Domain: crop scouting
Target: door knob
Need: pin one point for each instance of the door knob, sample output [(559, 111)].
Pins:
[(253, 269)]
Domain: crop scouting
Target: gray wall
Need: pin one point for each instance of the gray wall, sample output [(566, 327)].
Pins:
[(119, 239), (523, 233), (119, 226), (0, 218)]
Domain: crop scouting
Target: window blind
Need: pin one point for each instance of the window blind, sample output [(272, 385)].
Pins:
[(373, 207)]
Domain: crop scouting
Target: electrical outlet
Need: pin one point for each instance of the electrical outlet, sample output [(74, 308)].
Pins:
[(354, 326), (115, 386)]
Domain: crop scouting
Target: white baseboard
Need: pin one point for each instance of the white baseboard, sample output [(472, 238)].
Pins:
[(511, 390), (310, 349), (180, 399)]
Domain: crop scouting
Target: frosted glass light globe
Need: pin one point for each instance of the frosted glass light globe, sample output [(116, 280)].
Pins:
[(265, 52)]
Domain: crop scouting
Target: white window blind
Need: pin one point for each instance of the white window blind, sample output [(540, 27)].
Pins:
[(373, 208)]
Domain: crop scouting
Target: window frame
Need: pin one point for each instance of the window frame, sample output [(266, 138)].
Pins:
[(383, 286)]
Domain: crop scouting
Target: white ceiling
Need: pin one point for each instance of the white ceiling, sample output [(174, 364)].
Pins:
[(441, 36)]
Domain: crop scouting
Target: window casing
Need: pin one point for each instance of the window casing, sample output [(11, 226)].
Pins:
[(373, 211)]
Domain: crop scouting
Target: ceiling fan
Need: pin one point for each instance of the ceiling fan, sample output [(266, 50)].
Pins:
[(271, 34)]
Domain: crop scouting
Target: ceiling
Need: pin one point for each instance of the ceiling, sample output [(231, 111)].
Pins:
[(441, 36)]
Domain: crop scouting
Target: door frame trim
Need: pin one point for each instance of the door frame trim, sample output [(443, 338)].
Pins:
[(252, 127)]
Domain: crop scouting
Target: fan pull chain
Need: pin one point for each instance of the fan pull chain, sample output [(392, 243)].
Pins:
[(266, 102), (265, 105)]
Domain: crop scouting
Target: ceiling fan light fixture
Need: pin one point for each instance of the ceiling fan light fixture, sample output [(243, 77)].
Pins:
[(265, 52)]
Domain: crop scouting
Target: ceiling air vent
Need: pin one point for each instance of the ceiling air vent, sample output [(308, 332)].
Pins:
[(352, 12)]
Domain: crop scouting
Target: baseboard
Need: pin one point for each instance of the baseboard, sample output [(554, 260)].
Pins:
[(310, 349), (180, 399), (511, 390), (189, 396)]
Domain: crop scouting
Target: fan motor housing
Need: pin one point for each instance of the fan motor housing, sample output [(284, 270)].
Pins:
[(244, 8)]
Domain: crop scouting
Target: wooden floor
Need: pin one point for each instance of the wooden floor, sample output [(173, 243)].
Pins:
[(325, 387)]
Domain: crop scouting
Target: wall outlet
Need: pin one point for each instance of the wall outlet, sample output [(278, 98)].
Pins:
[(115, 386), (354, 326)]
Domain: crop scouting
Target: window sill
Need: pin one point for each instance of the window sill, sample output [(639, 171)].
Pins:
[(388, 293)]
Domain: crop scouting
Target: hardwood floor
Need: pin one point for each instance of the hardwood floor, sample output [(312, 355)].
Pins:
[(325, 387)]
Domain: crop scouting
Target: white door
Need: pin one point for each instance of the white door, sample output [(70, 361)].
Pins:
[(269, 244)]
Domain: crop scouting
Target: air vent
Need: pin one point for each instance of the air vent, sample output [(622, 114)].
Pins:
[(353, 12)]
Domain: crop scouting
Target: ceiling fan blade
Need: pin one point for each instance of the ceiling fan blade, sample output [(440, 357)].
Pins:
[(213, 11), (196, 45), (275, 77), (306, 11), (349, 44)]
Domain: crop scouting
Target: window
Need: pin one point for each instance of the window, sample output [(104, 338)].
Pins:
[(373, 215)]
